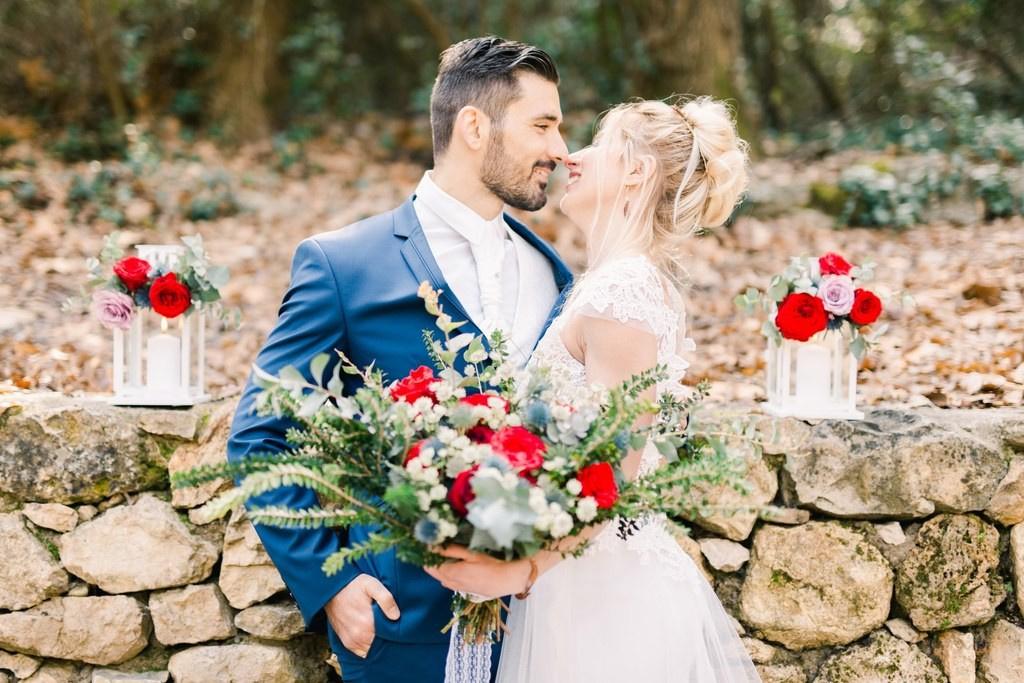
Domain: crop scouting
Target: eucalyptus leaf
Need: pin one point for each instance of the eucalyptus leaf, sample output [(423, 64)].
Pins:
[(317, 367)]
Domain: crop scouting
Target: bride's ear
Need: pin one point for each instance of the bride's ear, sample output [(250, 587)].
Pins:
[(642, 171)]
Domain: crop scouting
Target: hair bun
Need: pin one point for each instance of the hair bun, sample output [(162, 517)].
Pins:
[(724, 155)]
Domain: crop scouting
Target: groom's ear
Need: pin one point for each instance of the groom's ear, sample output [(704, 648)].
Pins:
[(473, 127)]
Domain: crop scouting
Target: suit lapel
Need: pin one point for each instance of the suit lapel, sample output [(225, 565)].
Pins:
[(416, 252), (419, 258)]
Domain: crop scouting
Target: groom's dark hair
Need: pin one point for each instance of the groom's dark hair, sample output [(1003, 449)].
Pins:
[(481, 72)]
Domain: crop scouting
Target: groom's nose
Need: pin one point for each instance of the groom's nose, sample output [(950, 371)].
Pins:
[(557, 150)]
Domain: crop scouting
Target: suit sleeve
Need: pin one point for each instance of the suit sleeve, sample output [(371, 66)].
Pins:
[(310, 321)]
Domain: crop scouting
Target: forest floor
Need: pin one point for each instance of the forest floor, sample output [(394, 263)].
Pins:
[(960, 344)]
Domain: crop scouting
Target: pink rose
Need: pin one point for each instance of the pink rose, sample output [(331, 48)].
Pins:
[(113, 309), (836, 291)]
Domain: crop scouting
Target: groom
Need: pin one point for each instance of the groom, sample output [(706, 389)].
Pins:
[(494, 112)]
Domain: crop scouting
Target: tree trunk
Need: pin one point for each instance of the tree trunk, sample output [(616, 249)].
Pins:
[(96, 23), (809, 13), (694, 48), (761, 46), (245, 69)]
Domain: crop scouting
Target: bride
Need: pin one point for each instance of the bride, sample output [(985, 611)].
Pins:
[(634, 606)]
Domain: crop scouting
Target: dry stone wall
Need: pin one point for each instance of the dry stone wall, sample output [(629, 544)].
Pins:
[(897, 554)]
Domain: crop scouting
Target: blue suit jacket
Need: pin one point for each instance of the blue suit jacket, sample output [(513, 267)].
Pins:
[(354, 289)]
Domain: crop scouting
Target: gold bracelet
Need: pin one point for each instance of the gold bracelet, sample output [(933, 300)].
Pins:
[(529, 582)]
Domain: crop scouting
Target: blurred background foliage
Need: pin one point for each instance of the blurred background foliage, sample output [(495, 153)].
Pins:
[(95, 80), (259, 122), (830, 72)]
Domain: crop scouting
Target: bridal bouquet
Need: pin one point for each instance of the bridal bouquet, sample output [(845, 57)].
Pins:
[(502, 460), (814, 295)]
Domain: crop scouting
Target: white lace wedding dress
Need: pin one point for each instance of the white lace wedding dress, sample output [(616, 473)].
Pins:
[(634, 608)]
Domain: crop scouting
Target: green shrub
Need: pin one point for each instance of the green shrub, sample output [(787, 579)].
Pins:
[(79, 144), (993, 188), (214, 199)]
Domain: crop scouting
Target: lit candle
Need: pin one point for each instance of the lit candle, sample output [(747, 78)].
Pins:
[(813, 372), (163, 360)]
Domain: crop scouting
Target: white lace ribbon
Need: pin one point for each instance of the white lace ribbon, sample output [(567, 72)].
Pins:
[(467, 662)]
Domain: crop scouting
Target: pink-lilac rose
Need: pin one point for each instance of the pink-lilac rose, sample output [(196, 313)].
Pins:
[(836, 292), (114, 310)]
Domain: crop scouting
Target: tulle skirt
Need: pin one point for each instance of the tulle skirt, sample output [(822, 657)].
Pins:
[(629, 610)]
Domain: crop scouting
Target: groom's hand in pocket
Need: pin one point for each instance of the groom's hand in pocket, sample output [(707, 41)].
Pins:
[(351, 612)]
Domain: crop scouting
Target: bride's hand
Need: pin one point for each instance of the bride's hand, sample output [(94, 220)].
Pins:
[(483, 575)]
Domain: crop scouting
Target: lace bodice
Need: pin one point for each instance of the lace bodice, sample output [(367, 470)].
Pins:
[(629, 291)]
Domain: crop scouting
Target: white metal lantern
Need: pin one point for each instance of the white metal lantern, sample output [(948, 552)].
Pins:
[(816, 379), (161, 362)]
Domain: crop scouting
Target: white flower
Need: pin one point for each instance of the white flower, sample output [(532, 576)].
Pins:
[(443, 391), (438, 492), (586, 509), (574, 486), (538, 501), (513, 421), (446, 434), (560, 412), (461, 442), (542, 523), (424, 500), (555, 464), (430, 475), (423, 404), (561, 525), (446, 529)]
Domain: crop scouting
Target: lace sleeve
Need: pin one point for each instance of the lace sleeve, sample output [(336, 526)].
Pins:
[(627, 291)]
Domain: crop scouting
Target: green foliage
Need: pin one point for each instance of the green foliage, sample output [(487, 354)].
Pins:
[(76, 143), (877, 197), (881, 71), (213, 199), (993, 187), (101, 193)]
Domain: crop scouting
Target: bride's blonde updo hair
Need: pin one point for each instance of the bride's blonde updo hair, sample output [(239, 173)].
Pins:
[(695, 174)]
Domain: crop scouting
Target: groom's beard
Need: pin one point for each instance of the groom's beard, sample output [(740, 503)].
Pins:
[(505, 180)]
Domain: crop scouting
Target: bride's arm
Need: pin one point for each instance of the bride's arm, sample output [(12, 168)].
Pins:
[(612, 352)]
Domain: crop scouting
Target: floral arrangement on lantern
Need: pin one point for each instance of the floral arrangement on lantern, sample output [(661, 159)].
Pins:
[(815, 295), (121, 285)]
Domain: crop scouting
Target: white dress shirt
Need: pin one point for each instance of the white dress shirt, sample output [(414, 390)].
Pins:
[(501, 281)]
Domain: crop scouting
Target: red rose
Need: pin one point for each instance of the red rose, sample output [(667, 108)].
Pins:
[(460, 495), (801, 316), (168, 297), (599, 481), (523, 449), (414, 451), (480, 434), (133, 271), (834, 264), (866, 307), (483, 399), (415, 385)]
